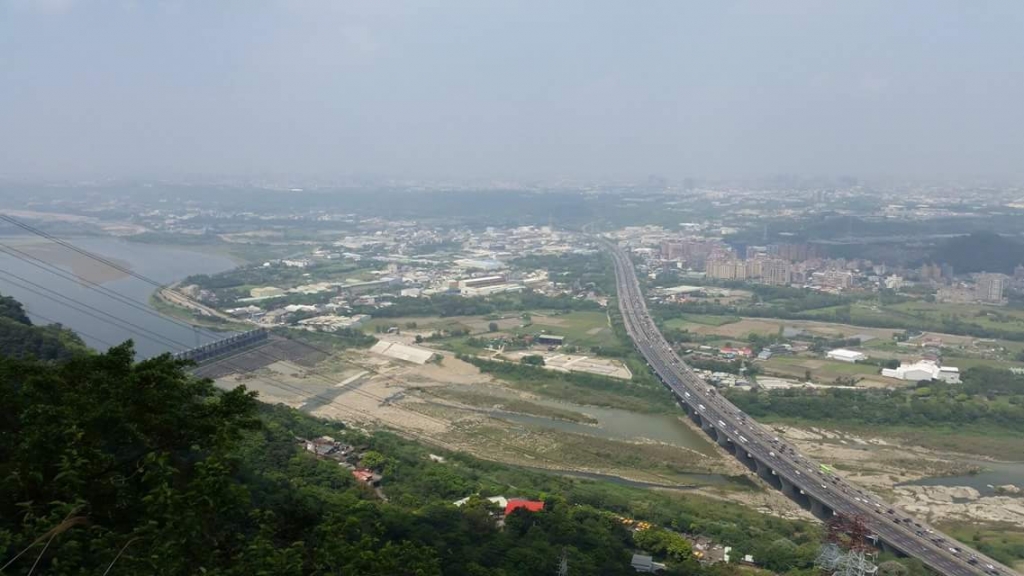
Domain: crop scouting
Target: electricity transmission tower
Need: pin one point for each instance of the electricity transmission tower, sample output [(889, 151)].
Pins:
[(563, 563), (846, 551)]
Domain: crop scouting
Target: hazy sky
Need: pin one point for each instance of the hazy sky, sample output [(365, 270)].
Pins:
[(513, 89)]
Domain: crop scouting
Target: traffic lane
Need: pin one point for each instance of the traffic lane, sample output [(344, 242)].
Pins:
[(838, 503), (835, 501)]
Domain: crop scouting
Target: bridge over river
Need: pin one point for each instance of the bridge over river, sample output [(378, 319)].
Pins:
[(813, 486)]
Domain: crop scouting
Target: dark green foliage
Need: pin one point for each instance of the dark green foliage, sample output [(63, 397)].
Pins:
[(20, 339), (533, 360), (129, 451), (12, 310), (980, 252), (582, 271)]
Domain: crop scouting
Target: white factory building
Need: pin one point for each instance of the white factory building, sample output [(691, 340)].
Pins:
[(844, 355), (924, 370)]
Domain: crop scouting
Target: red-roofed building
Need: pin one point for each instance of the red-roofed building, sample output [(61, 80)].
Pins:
[(530, 505), (367, 477)]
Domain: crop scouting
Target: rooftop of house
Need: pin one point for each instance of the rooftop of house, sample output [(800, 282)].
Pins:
[(530, 505)]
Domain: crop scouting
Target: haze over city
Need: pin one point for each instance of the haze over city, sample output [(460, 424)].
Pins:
[(516, 91), (423, 288)]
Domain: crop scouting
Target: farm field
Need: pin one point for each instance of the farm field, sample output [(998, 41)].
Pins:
[(821, 369)]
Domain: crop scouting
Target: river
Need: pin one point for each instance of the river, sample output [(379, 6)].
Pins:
[(160, 263), (991, 474)]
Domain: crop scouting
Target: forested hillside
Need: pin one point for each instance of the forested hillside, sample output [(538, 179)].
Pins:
[(20, 338), (142, 467)]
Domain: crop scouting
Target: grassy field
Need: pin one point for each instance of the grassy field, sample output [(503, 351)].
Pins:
[(518, 405), (917, 313), (965, 363), (653, 462), (705, 319), (821, 368), (1004, 542), (996, 317), (583, 329)]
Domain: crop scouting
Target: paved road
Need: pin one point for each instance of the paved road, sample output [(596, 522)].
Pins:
[(894, 527)]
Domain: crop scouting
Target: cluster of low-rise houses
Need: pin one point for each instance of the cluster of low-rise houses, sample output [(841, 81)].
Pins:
[(404, 261), (346, 455)]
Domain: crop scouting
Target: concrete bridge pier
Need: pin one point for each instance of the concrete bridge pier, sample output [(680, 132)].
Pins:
[(695, 416), (767, 474), (724, 442), (746, 458), (708, 428), (795, 493), (820, 510)]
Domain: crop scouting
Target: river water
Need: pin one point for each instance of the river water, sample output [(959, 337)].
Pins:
[(992, 474), (160, 263)]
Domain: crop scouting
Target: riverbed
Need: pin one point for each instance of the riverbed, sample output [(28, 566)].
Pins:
[(612, 423)]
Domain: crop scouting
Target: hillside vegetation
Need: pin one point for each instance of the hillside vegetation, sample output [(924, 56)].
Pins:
[(19, 338)]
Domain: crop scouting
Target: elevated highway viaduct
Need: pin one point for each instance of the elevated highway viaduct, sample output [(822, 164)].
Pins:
[(813, 486)]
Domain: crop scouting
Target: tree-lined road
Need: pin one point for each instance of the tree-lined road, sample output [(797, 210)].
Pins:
[(802, 478)]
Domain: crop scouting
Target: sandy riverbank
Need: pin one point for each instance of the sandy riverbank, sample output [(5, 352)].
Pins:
[(83, 266)]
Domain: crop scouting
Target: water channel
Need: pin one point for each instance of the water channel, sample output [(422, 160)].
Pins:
[(991, 475)]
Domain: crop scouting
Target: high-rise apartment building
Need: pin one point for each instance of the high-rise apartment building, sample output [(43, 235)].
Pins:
[(990, 288)]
